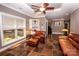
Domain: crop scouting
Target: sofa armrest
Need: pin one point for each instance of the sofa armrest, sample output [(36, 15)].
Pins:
[(67, 47)]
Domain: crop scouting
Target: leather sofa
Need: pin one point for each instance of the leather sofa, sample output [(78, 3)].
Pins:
[(70, 45), (34, 40), (41, 35)]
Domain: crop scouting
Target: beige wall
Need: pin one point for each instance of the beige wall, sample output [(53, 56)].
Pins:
[(74, 23), (57, 26), (41, 24)]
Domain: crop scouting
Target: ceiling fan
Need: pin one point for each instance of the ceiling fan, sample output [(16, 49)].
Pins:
[(43, 8)]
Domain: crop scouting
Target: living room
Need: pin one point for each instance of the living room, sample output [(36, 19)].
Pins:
[(26, 33)]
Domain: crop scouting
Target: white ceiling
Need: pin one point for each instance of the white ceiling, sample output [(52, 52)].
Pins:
[(65, 9), (61, 9), (20, 7), (56, 5)]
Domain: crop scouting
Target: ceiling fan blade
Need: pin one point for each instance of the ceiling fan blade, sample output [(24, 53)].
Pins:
[(45, 5), (36, 10), (44, 12), (35, 6), (49, 8)]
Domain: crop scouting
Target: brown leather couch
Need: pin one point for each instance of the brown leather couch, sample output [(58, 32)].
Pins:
[(41, 35), (32, 42), (70, 45), (36, 38)]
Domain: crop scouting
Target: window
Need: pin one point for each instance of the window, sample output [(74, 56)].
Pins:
[(57, 23)]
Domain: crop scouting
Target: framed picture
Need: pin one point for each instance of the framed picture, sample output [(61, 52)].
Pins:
[(34, 24)]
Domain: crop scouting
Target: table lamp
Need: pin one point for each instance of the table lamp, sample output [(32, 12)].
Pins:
[(65, 32)]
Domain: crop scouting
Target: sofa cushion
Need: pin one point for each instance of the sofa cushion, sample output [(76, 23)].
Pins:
[(75, 44), (68, 48), (74, 37), (32, 42), (71, 36)]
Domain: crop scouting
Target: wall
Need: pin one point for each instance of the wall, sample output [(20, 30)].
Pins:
[(57, 26), (74, 22), (41, 21), (34, 24), (41, 24)]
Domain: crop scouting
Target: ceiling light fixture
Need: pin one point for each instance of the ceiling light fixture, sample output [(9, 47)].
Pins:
[(67, 14), (42, 9)]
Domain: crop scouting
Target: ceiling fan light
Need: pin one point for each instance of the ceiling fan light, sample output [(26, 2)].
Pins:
[(57, 9), (42, 9)]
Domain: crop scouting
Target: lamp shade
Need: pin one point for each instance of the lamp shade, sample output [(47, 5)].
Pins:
[(42, 9), (65, 30)]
